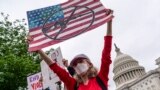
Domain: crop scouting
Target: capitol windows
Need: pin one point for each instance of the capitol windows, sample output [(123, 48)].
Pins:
[(119, 68), (148, 88), (150, 81), (132, 64), (136, 63), (125, 66), (153, 87), (122, 66)]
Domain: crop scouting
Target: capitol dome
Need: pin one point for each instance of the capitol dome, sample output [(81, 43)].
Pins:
[(125, 69), (121, 58)]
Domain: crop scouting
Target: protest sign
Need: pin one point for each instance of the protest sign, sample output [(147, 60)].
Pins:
[(54, 24), (34, 81), (50, 79)]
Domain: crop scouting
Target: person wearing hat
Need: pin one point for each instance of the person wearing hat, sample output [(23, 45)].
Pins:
[(88, 78)]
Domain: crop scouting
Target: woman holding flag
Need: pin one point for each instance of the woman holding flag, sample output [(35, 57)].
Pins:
[(88, 78)]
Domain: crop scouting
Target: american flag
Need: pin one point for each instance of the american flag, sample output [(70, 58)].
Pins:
[(54, 24)]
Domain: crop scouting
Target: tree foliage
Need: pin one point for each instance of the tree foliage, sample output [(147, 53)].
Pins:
[(16, 63)]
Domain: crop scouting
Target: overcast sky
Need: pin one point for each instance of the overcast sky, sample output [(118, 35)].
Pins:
[(136, 30)]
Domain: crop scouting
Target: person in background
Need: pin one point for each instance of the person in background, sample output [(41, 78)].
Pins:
[(69, 68)]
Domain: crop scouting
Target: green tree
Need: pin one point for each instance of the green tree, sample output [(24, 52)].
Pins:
[(16, 63)]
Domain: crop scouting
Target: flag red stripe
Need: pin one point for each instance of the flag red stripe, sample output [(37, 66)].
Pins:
[(69, 29), (74, 26), (92, 27), (87, 4), (55, 42), (34, 29), (63, 4), (35, 35), (87, 16)]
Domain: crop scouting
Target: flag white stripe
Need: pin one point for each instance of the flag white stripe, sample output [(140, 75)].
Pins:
[(82, 9), (70, 25), (86, 2), (67, 15), (69, 4), (76, 29)]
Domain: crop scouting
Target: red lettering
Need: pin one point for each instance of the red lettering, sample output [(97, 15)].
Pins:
[(36, 85)]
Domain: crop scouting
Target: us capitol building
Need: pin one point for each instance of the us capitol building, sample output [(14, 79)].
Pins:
[(129, 75)]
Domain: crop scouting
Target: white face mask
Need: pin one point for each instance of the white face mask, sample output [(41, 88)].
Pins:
[(81, 67)]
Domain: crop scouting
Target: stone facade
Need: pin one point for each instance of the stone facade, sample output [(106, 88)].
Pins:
[(129, 75)]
